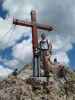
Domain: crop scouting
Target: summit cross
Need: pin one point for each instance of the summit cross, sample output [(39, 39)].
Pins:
[(34, 25)]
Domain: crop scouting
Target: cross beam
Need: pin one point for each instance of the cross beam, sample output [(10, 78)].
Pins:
[(34, 25), (30, 24)]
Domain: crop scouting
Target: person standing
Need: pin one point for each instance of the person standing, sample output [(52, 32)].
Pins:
[(46, 50)]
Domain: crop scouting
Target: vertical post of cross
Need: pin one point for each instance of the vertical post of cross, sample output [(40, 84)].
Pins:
[(36, 68), (34, 30)]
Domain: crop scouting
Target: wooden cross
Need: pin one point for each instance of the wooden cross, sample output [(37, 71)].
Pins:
[(34, 25)]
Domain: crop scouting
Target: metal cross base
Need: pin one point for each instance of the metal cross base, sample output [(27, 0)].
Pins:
[(41, 79)]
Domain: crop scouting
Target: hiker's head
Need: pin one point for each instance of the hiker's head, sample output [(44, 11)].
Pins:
[(16, 69), (43, 36), (55, 60)]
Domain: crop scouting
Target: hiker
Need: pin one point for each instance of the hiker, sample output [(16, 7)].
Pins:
[(46, 51), (15, 72), (13, 75)]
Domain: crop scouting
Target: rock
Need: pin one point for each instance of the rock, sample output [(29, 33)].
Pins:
[(24, 87)]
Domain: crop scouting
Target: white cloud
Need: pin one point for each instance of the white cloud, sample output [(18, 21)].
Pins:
[(12, 63), (9, 33), (23, 51), (4, 72), (4, 26), (59, 43)]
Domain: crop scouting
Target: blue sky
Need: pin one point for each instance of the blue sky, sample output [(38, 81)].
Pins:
[(71, 55), (3, 12), (18, 51)]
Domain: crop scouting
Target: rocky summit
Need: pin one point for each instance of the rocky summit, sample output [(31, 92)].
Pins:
[(23, 87)]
